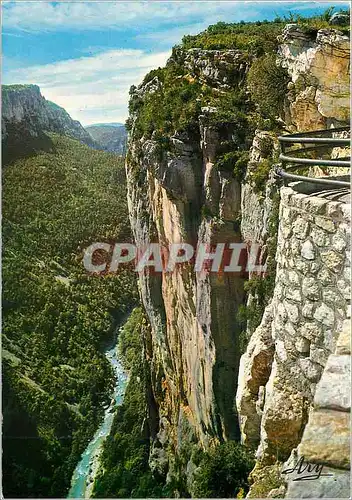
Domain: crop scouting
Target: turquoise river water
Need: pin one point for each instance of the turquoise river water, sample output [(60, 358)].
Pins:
[(83, 476)]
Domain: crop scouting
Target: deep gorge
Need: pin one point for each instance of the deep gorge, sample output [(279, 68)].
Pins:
[(231, 376)]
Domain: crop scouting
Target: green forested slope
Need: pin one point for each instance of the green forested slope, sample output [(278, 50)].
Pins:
[(109, 137), (56, 378)]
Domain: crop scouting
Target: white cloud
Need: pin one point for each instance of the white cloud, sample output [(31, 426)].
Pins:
[(92, 89), (116, 15), (15, 35), (95, 87)]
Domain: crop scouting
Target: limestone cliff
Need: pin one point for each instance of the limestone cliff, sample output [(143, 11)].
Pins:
[(27, 115), (181, 189), (319, 91), (194, 345)]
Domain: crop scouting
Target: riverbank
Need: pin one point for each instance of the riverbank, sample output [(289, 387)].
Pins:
[(87, 468)]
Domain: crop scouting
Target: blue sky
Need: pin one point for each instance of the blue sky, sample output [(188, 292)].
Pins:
[(85, 55)]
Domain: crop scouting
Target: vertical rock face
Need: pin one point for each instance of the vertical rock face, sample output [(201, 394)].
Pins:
[(194, 344), (178, 193), (257, 207), (220, 68), (26, 113)]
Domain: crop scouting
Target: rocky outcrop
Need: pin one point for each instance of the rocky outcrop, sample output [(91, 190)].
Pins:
[(27, 115), (254, 372), (311, 294), (178, 194), (318, 64)]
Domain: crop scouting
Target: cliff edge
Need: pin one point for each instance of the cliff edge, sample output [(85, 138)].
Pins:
[(27, 115)]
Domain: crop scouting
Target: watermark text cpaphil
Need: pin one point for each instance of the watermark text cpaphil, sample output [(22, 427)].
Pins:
[(103, 257)]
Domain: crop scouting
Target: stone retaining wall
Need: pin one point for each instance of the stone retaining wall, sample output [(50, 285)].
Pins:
[(286, 355)]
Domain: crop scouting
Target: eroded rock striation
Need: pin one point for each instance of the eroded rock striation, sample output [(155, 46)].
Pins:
[(194, 347)]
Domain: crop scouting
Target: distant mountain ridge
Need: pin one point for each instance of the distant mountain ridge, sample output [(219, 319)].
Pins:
[(27, 115), (110, 136), (105, 124)]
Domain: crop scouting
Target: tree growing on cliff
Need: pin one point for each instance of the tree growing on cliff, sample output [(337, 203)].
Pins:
[(267, 84), (223, 472)]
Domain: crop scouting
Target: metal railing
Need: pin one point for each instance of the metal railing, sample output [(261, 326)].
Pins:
[(321, 141)]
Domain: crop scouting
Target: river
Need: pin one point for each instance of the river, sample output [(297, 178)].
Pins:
[(83, 477)]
